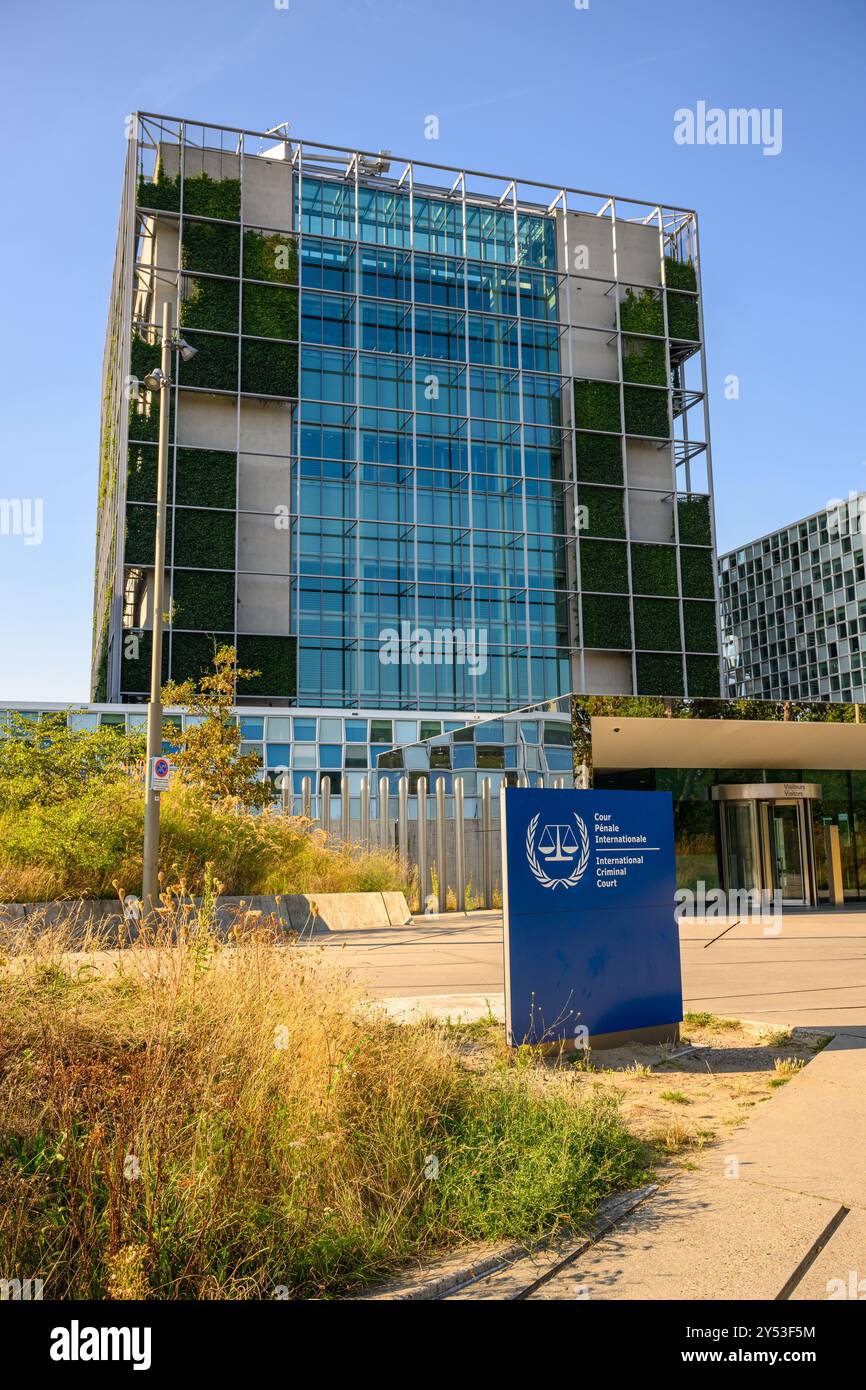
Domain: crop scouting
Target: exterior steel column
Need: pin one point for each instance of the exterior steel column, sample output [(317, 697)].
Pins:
[(403, 820), (486, 843), (150, 874), (384, 812), (325, 790), (441, 855), (460, 846), (423, 872)]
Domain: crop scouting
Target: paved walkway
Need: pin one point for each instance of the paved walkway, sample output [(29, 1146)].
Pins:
[(776, 1212), (811, 975)]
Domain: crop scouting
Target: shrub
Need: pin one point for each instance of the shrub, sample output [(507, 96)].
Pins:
[(203, 196), (641, 312), (680, 275), (276, 660)]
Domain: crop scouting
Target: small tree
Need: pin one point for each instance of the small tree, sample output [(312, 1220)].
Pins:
[(209, 754), (44, 762)]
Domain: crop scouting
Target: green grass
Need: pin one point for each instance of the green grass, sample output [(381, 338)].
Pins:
[(281, 1135), (705, 1020), (675, 1097)]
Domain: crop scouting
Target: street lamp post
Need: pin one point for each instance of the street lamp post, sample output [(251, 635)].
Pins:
[(160, 382)]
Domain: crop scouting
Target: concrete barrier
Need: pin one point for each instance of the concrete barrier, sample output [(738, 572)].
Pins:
[(301, 913)]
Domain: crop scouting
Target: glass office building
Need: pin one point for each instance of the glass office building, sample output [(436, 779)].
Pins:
[(443, 447), (793, 608)]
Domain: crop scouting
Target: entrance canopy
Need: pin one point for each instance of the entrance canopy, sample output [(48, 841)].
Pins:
[(761, 743)]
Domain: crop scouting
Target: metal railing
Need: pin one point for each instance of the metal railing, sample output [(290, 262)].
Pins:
[(453, 858)]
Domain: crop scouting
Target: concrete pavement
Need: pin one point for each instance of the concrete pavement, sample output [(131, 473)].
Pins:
[(811, 975)]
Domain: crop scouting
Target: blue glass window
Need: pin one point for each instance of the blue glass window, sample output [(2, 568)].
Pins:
[(330, 755), (305, 730), (356, 731)]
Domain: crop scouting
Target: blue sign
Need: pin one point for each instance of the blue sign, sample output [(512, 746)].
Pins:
[(591, 938)]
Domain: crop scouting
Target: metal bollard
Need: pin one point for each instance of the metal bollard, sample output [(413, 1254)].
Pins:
[(459, 845), (365, 812), (441, 855), (522, 780), (325, 789), (403, 819), (384, 812), (486, 843), (423, 872), (306, 797), (345, 811)]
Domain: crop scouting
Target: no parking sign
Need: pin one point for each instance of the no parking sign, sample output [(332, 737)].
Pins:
[(160, 774)]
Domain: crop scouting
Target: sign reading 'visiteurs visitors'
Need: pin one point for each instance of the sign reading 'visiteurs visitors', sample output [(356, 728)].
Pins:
[(591, 942)]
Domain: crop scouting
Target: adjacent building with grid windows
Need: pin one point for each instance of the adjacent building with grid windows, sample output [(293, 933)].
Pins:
[(793, 609), (443, 446)]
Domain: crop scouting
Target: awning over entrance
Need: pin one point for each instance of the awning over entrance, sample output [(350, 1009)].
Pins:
[(761, 743)]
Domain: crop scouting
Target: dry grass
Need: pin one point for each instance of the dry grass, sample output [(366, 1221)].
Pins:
[(194, 1117), (86, 848)]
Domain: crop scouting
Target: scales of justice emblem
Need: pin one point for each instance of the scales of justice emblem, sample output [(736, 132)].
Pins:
[(558, 845)]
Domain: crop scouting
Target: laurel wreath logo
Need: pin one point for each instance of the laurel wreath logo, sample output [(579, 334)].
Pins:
[(543, 878)]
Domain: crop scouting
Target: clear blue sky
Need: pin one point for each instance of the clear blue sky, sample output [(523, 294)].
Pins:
[(539, 89)]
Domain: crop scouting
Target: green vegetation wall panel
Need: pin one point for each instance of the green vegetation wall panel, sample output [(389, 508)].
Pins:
[(210, 303), (646, 412), (680, 275), (135, 653), (275, 658), (699, 623), (202, 195), (644, 361), (215, 365), (659, 674), (206, 477), (141, 469), (204, 538), (703, 676), (640, 311), (141, 534), (683, 317), (203, 601), (656, 624), (270, 256), (604, 566), (269, 369), (698, 575), (598, 458), (606, 622), (192, 653), (654, 569), (596, 405), (605, 510), (694, 520), (211, 248)]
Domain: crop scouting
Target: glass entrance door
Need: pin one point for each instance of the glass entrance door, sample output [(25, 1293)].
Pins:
[(784, 849), (741, 846)]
